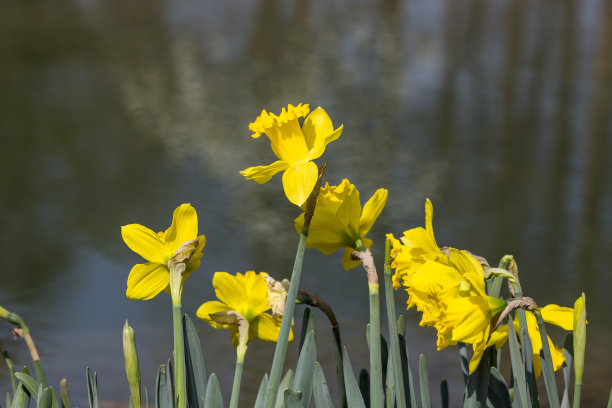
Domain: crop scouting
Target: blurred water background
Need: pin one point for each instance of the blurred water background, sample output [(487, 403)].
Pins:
[(114, 112)]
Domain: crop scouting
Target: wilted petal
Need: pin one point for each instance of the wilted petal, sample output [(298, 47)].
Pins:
[(262, 174), (371, 211), (145, 243), (147, 280), (299, 181), (211, 308)]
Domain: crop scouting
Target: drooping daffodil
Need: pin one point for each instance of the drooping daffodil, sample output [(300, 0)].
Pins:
[(414, 248), (148, 279), (246, 297), (339, 221), (295, 148)]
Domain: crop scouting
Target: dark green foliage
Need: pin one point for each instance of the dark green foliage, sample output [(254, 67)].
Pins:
[(195, 366)]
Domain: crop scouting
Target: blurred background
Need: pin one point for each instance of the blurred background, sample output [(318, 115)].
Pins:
[(115, 112)]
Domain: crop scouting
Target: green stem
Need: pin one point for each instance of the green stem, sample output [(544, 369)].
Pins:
[(547, 366), (376, 386), (577, 390), (393, 333), (11, 367), (240, 353), (180, 392), (283, 336)]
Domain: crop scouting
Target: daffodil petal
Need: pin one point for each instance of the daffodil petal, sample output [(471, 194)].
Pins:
[(429, 220), (346, 260), (317, 126), (477, 356), (229, 289), (349, 212), (299, 181), (262, 174), (209, 308), (145, 243), (559, 316), (184, 227), (265, 327), (371, 211), (147, 280), (256, 301)]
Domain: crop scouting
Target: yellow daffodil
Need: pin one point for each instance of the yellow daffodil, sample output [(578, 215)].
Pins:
[(295, 147), (147, 280), (452, 299), (414, 248), (339, 222), (553, 314), (245, 295)]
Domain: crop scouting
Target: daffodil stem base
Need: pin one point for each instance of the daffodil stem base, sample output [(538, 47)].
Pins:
[(283, 336), (180, 392), (376, 386)]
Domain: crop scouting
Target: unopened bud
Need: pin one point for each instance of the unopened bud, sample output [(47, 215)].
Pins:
[(132, 368), (579, 337)]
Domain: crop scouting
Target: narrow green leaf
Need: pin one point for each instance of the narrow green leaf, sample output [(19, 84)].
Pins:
[(465, 361), (527, 352), (304, 370), (164, 397), (293, 399), (407, 371), (21, 399), (322, 397), (214, 398), (339, 365), (364, 386), (146, 393), (195, 366), (568, 353), (547, 367), (518, 371), (498, 390), (424, 380), (353, 396), (610, 400), (390, 384), (54, 400), (44, 400), (92, 388), (308, 324), (29, 383), (476, 388), (444, 393), (282, 387), (8, 398), (261, 394)]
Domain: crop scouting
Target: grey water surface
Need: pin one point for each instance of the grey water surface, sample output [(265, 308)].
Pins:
[(115, 112)]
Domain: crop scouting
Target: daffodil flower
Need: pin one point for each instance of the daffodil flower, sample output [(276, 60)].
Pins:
[(558, 315), (245, 295), (295, 147), (339, 222), (414, 248), (452, 299), (147, 280)]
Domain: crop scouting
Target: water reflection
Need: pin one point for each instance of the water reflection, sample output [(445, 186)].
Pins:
[(115, 112)]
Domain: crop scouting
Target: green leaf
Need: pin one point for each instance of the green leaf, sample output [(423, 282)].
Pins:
[(424, 379), (518, 371), (214, 398), (261, 394), (44, 400), (54, 400), (527, 352), (164, 397), (282, 387), (29, 383), (293, 399), (353, 395), (92, 388), (444, 393), (305, 368), (390, 384), (195, 367), (568, 353), (610, 400), (322, 398), (498, 393), (407, 371), (21, 399), (476, 388), (465, 361), (339, 365), (547, 367), (64, 393), (308, 324)]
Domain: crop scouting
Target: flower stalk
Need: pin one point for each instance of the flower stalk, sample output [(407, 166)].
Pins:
[(132, 367), (243, 332)]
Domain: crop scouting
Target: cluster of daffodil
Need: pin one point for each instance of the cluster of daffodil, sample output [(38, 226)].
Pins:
[(455, 291)]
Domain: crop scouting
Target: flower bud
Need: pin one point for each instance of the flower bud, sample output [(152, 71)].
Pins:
[(132, 369)]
